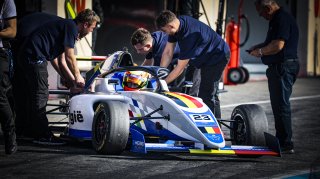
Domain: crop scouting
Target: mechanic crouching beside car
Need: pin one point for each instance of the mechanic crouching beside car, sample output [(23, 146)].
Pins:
[(46, 43)]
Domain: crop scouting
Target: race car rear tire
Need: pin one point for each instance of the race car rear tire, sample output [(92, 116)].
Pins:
[(110, 128), (249, 122)]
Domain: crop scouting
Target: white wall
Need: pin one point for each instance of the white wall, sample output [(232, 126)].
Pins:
[(313, 62)]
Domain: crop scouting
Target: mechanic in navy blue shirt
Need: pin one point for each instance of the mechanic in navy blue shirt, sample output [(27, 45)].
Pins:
[(279, 52), (152, 45), (202, 47), (45, 44)]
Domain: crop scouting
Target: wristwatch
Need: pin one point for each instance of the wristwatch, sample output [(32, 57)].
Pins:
[(260, 52)]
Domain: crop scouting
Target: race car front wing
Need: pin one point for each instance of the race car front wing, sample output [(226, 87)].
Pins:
[(139, 145)]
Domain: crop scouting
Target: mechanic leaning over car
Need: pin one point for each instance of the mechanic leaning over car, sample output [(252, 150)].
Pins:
[(279, 52), (152, 45), (45, 44), (200, 45), (8, 25)]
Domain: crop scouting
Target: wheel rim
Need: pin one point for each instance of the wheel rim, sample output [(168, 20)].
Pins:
[(240, 130), (235, 75), (101, 127)]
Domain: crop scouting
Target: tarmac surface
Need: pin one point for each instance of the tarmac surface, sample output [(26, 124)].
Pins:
[(79, 160)]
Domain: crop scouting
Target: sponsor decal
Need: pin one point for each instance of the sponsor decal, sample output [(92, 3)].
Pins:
[(138, 144), (75, 116)]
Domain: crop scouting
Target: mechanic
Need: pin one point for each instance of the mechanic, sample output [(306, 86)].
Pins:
[(200, 45), (46, 43), (8, 25), (26, 26), (152, 45), (279, 52)]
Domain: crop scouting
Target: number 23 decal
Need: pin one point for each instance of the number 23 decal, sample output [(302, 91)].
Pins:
[(201, 117)]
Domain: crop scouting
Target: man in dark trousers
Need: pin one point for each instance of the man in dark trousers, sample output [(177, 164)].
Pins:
[(26, 26), (200, 45), (46, 43), (8, 29), (279, 52)]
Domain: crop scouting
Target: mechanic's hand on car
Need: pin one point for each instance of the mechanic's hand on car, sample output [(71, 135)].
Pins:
[(75, 90), (79, 80)]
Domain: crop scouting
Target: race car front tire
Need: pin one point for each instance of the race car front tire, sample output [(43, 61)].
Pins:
[(110, 128), (248, 126)]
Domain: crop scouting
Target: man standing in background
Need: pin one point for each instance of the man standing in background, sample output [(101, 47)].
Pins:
[(279, 52)]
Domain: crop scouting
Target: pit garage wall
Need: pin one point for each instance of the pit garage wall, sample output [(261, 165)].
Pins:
[(211, 8), (311, 46)]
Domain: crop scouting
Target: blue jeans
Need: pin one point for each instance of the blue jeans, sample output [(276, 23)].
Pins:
[(281, 78)]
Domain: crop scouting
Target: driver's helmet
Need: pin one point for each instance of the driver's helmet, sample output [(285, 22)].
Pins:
[(134, 80)]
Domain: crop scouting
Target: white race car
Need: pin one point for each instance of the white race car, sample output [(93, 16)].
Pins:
[(128, 106)]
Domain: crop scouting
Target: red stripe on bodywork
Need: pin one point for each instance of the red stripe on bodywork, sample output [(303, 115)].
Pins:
[(216, 130), (246, 152)]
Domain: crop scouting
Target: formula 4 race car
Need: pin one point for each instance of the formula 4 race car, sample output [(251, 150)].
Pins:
[(128, 106)]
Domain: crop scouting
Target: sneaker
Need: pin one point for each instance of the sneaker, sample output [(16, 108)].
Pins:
[(11, 146), (52, 140), (11, 149), (287, 150)]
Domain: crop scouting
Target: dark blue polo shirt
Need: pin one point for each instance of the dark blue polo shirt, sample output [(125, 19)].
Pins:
[(50, 40), (28, 24), (282, 26), (199, 43), (160, 40)]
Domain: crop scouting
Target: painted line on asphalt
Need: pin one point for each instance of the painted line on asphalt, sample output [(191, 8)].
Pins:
[(268, 101), (299, 174)]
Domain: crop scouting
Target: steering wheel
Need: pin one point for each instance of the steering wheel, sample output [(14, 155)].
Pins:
[(162, 73)]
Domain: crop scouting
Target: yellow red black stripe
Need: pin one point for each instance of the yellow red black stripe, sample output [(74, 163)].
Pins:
[(184, 100)]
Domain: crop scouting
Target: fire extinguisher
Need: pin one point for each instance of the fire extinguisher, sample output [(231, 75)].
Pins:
[(234, 73)]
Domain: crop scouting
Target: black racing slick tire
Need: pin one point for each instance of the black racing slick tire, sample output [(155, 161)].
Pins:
[(110, 128), (249, 122)]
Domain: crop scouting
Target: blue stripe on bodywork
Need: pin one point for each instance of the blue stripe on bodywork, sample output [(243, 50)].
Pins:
[(80, 134), (206, 124)]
